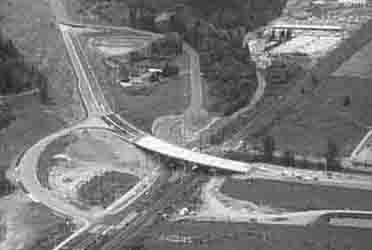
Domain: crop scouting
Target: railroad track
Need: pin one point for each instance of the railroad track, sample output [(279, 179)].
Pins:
[(119, 240)]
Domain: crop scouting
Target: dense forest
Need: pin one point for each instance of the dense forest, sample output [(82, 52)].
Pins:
[(16, 75)]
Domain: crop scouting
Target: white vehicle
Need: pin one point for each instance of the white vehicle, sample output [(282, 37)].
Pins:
[(307, 178), (33, 198), (61, 157), (155, 70)]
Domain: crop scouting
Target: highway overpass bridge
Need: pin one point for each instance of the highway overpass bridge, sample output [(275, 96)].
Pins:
[(284, 26), (92, 94), (153, 144)]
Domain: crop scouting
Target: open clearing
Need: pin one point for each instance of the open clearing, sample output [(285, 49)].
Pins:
[(295, 196), (75, 162), (222, 236)]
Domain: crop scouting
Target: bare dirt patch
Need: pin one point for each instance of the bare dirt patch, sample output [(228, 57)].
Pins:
[(217, 204)]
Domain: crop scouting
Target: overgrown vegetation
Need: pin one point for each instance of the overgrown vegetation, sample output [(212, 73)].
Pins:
[(105, 189), (16, 75), (6, 115), (268, 153), (6, 187), (51, 228)]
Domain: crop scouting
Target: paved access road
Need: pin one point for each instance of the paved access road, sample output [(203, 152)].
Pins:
[(96, 107)]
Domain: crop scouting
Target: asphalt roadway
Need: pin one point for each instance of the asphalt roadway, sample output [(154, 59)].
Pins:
[(96, 107)]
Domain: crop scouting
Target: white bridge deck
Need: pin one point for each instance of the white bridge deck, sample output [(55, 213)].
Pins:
[(306, 27), (174, 151)]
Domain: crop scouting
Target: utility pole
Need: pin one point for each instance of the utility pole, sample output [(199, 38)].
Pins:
[(200, 142)]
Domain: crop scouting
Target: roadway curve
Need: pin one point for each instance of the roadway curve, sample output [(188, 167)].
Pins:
[(96, 108)]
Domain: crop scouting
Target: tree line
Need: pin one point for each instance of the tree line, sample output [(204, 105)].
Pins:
[(267, 153), (17, 75)]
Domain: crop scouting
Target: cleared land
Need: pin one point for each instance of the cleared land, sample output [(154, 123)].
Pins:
[(297, 197), (221, 236), (91, 167)]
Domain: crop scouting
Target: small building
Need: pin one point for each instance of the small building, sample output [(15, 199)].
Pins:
[(250, 36), (164, 21)]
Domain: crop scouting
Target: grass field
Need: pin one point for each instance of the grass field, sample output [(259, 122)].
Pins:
[(306, 126), (359, 65), (317, 115), (45, 162), (168, 98), (222, 236), (297, 197)]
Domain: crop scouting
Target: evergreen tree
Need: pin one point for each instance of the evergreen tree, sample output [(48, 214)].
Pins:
[(269, 147)]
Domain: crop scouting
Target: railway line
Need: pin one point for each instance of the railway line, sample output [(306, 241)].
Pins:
[(120, 239)]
